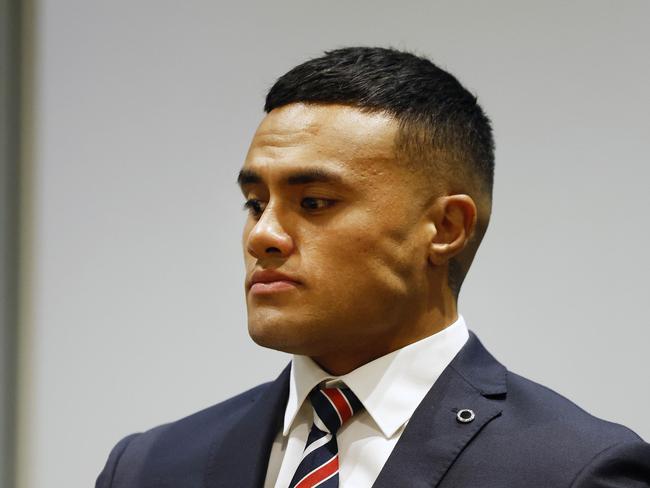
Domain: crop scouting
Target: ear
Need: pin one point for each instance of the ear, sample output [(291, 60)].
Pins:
[(454, 218)]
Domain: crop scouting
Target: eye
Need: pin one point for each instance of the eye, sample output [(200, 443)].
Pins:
[(315, 204), (254, 207)]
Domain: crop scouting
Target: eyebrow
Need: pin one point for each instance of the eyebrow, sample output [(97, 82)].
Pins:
[(300, 177)]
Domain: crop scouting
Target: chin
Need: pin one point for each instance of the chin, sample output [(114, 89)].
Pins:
[(273, 336), (280, 335)]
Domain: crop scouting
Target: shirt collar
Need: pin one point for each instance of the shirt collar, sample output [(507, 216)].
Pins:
[(390, 387)]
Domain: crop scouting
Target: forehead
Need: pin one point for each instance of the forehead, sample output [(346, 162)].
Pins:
[(334, 135)]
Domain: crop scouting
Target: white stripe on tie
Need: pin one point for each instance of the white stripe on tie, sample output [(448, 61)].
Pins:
[(316, 444)]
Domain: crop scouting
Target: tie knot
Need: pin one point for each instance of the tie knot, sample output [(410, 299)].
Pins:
[(334, 406)]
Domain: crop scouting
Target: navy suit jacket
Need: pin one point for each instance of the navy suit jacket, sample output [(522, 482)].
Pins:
[(523, 435)]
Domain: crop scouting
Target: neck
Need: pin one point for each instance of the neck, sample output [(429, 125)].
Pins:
[(340, 362)]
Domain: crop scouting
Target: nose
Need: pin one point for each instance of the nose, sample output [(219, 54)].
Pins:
[(268, 238)]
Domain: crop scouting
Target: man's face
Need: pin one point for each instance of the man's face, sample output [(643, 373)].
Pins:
[(332, 210)]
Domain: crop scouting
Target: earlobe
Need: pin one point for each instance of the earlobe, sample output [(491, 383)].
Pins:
[(454, 217)]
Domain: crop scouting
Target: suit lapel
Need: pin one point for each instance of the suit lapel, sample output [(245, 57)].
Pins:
[(433, 438), (241, 459)]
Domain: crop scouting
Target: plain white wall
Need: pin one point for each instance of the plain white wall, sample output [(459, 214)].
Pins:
[(143, 113)]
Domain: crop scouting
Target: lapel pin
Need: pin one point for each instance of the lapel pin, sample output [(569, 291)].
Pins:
[(465, 416)]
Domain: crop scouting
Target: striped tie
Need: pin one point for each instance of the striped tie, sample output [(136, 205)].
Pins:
[(320, 459)]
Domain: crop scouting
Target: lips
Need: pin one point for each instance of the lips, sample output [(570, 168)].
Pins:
[(271, 276)]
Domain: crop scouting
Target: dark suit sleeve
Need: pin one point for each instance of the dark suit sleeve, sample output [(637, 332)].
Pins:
[(626, 464), (105, 478)]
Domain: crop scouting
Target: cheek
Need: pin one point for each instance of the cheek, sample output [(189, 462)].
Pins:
[(362, 261), (248, 227)]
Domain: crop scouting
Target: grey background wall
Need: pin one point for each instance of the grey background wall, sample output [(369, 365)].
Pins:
[(142, 112)]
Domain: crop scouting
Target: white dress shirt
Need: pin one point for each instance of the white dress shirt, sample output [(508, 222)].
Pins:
[(390, 388)]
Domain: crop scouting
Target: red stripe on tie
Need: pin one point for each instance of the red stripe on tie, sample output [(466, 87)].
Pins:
[(340, 403), (320, 474)]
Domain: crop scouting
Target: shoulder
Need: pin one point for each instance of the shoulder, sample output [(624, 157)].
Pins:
[(532, 404), (569, 445), (541, 438), (530, 411), (187, 441)]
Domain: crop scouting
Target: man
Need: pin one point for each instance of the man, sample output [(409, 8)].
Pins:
[(369, 188)]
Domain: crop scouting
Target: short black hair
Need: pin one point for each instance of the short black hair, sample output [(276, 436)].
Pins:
[(442, 128)]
